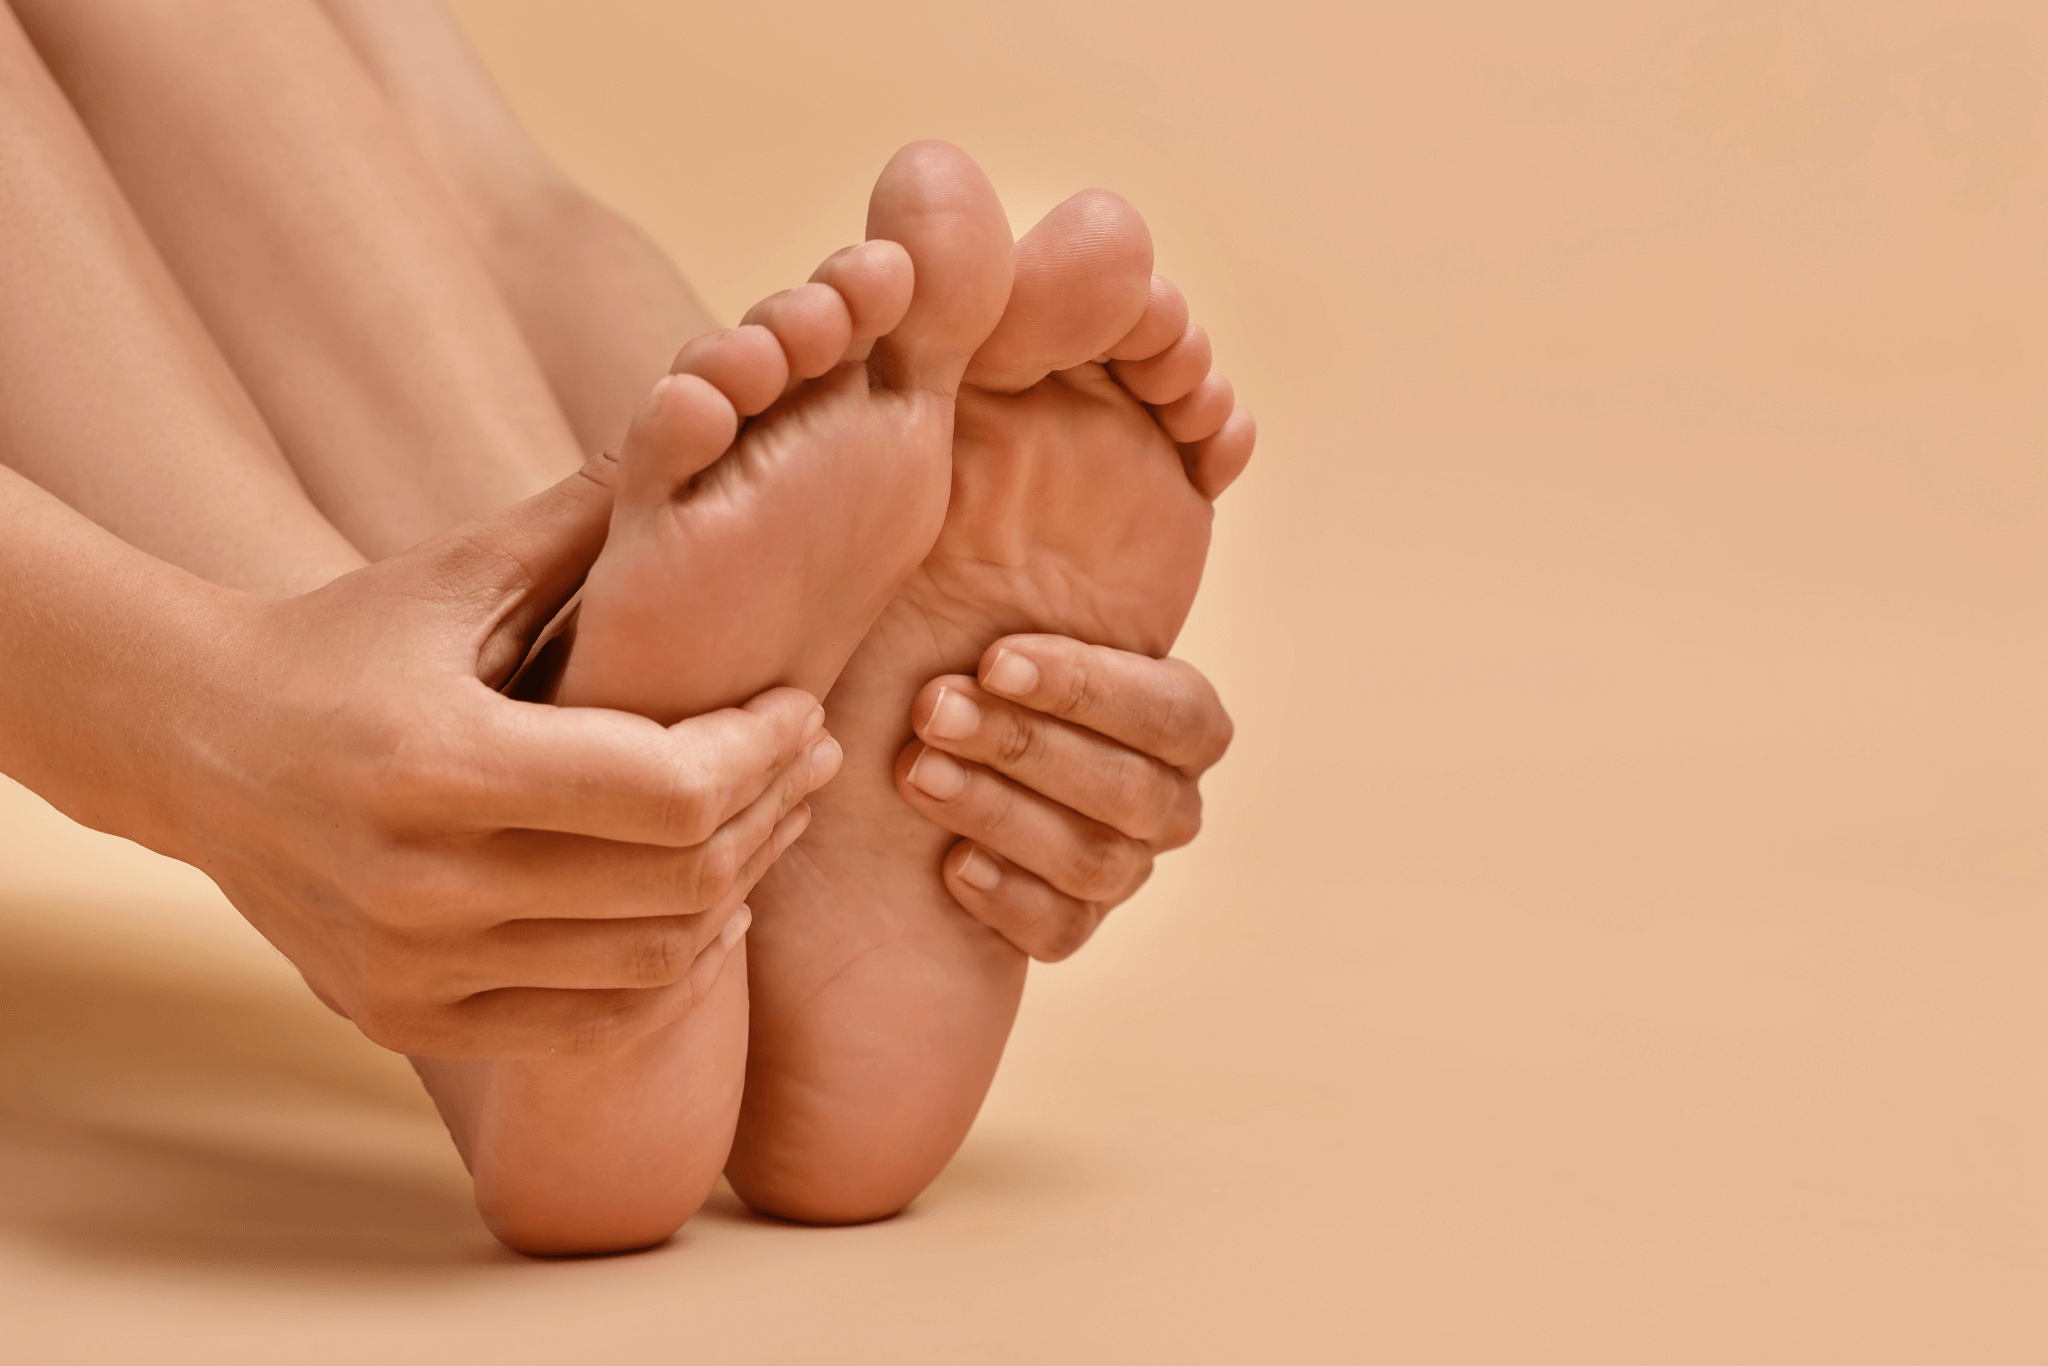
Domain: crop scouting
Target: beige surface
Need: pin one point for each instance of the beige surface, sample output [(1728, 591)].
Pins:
[(1618, 937)]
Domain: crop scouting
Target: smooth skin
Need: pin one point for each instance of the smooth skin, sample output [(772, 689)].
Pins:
[(518, 201), (1089, 440), (488, 881)]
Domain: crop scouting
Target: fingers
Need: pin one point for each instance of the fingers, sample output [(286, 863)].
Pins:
[(529, 558), (1018, 904), (1131, 792), (545, 1023), (537, 875), (589, 955), (606, 774), (1082, 858), (1159, 707)]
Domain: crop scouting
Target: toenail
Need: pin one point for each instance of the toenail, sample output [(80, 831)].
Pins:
[(826, 757), (1012, 673), (937, 776), (954, 717), (979, 871)]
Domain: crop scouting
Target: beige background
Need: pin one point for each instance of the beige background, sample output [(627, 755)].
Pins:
[(1618, 934)]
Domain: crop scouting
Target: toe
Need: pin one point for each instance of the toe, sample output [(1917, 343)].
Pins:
[(1082, 281), (1165, 322), (936, 203), (812, 322), (746, 364), (1171, 374), (1201, 413), (1214, 462), (685, 424), (876, 280)]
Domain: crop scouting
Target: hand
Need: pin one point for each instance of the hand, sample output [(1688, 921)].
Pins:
[(461, 874), (1081, 764)]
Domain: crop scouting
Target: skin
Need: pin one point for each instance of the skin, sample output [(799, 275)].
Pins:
[(622, 1063), (313, 301), (620, 1151), (487, 881), (1077, 511)]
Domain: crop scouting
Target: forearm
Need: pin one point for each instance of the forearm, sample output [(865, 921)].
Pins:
[(104, 648)]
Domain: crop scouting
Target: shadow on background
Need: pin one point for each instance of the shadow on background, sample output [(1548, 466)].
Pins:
[(161, 1112)]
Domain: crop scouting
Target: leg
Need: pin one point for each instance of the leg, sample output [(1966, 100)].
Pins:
[(159, 452), (112, 396), (601, 308), (401, 390)]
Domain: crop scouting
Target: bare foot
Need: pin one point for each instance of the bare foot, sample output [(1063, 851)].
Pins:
[(770, 499), (736, 565), (1080, 507)]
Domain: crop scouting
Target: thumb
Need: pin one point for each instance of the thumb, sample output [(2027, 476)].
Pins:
[(511, 571)]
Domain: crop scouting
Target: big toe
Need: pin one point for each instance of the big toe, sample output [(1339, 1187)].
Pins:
[(1083, 277), (935, 202)]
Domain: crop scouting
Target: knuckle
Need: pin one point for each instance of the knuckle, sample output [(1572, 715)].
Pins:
[(1130, 794), (1019, 744), (689, 805), (710, 872), (393, 1024), (1100, 866), (1067, 933), (1077, 691), (1184, 822), (659, 955), (406, 893)]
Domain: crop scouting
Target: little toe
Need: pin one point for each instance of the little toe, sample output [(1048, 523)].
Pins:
[(747, 364), (684, 426), (1165, 322), (876, 279), (1082, 282), (932, 200), (1201, 413), (1214, 462), (812, 322), (1172, 373)]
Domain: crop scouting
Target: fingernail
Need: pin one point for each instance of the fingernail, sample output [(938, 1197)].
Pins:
[(937, 776), (736, 926), (979, 871), (1011, 674), (815, 724), (826, 759), (954, 717)]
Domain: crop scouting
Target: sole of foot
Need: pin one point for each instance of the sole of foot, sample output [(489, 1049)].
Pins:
[(1090, 440), (782, 482), (769, 500)]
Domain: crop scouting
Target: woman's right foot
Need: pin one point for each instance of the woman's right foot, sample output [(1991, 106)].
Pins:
[(1080, 507)]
